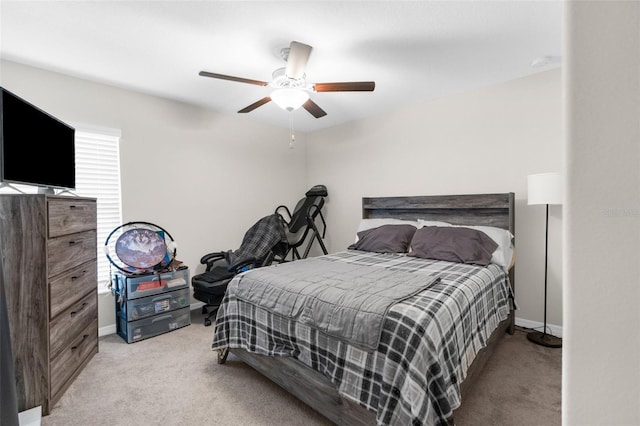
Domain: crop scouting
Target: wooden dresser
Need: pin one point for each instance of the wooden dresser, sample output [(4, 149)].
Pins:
[(50, 278)]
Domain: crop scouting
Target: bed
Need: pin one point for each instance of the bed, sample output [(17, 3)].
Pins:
[(426, 357)]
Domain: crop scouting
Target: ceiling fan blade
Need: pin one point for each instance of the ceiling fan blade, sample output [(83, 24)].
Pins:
[(232, 78), (313, 109), (354, 86), (255, 105), (297, 61)]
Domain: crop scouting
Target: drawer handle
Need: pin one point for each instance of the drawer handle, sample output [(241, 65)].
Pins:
[(74, 207), (73, 278), (160, 318), (163, 297), (73, 313), (84, 337)]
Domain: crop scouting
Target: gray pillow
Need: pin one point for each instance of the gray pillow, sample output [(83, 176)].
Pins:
[(453, 244), (385, 239)]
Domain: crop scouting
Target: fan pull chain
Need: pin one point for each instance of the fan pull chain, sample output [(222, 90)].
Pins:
[(292, 137)]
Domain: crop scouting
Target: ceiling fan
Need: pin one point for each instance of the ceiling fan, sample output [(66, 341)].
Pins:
[(291, 89)]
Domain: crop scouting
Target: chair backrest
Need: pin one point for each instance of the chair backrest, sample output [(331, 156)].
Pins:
[(304, 208)]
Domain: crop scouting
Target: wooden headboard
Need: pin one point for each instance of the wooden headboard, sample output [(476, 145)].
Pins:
[(473, 209)]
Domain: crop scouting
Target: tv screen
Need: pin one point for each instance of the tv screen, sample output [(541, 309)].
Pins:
[(35, 147)]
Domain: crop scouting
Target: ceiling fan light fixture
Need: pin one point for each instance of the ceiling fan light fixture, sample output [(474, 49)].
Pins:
[(289, 99), (289, 87)]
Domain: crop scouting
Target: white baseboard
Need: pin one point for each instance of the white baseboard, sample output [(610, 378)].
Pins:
[(30, 417), (111, 328), (106, 330), (556, 330), (197, 305)]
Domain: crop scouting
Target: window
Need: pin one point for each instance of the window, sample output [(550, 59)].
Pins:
[(98, 176)]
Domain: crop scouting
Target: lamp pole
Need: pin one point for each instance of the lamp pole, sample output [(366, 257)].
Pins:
[(543, 338)]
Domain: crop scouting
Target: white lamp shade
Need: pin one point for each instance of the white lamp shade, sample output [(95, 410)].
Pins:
[(544, 188), (289, 99)]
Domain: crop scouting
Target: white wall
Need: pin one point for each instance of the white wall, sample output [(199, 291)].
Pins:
[(203, 176), (483, 141), (601, 354), (184, 167)]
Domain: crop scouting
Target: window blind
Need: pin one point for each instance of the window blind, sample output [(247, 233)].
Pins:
[(98, 176)]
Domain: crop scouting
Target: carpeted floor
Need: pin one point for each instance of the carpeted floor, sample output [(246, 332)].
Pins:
[(174, 379)]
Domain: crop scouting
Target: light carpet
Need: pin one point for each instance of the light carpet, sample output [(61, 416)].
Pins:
[(174, 379)]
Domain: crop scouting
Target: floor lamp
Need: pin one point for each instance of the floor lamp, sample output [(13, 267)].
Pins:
[(545, 188)]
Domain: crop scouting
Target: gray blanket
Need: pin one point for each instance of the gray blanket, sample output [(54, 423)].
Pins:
[(344, 300)]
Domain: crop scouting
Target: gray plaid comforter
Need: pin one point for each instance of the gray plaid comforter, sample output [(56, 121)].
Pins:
[(350, 304), (427, 342)]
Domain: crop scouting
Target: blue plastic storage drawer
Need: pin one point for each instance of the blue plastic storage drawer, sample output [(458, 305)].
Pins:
[(135, 331), (145, 307), (136, 286)]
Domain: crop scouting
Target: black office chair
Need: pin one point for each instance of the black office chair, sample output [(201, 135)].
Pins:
[(302, 221), (263, 242)]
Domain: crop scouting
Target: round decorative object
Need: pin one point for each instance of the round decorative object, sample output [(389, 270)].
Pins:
[(141, 248)]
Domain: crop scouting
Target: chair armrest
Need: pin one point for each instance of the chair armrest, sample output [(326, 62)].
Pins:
[(211, 258), (285, 209)]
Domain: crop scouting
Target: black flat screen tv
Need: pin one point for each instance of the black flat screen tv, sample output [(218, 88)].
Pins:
[(35, 147)]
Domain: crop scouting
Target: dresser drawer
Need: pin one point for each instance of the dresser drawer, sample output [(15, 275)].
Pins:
[(65, 328), (70, 286), (70, 216), (70, 251), (67, 364)]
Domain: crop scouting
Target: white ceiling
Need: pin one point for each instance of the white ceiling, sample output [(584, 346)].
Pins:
[(414, 51)]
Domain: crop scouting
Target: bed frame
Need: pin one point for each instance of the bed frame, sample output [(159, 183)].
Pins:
[(315, 389)]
